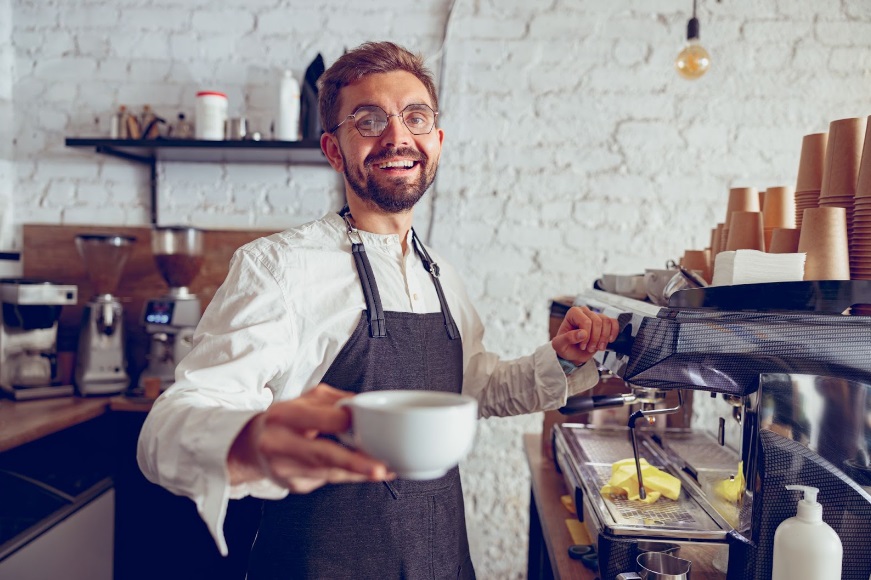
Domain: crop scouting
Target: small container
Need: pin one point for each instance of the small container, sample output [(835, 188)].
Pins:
[(211, 114), (805, 546)]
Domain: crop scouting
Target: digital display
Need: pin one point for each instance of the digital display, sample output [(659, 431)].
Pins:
[(157, 312)]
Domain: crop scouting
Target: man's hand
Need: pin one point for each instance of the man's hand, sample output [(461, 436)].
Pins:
[(282, 444), (583, 333)]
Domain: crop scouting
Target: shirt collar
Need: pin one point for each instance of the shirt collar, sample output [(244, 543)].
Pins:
[(368, 238)]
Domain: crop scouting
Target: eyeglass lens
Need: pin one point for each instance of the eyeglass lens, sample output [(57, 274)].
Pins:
[(371, 120)]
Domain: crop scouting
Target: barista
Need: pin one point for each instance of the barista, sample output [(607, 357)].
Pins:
[(356, 301)]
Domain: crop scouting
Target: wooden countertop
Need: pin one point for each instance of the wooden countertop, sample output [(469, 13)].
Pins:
[(547, 488), (25, 421)]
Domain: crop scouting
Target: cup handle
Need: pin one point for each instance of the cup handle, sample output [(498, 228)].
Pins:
[(347, 437)]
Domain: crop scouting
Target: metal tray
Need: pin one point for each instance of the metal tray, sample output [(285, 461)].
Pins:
[(585, 455)]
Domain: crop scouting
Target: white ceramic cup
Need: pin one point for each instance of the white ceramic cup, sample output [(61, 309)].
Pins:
[(418, 434)]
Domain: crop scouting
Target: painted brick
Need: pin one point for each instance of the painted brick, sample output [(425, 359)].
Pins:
[(223, 21)]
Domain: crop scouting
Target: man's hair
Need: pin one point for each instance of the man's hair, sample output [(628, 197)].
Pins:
[(368, 58)]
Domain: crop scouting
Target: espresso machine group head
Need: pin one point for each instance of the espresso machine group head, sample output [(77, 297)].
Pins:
[(28, 337), (794, 395), (101, 364), (171, 319)]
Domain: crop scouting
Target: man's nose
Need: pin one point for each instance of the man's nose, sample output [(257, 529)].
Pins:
[(395, 133)]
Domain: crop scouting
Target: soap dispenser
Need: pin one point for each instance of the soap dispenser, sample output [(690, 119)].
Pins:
[(805, 546)]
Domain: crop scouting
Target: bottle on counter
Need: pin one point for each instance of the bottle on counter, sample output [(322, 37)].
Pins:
[(805, 546), (288, 108), (182, 128)]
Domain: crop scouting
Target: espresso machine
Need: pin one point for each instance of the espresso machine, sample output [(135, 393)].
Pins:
[(171, 319), (789, 402), (101, 363), (28, 337)]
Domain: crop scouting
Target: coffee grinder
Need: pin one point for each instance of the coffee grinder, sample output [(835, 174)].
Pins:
[(101, 364), (28, 337), (171, 319)]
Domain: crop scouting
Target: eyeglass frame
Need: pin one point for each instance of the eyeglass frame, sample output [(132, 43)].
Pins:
[(388, 115)]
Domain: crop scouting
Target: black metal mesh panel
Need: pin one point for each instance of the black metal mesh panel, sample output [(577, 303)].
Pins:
[(727, 351), (845, 507)]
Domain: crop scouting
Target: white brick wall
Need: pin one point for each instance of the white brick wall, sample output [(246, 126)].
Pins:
[(572, 147)]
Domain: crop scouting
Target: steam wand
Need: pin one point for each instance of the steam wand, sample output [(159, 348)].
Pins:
[(647, 413)]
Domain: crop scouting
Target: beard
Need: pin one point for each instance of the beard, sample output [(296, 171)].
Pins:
[(398, 194)]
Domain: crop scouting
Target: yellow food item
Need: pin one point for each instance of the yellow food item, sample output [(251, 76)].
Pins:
[(624, 482), (731, 489), (568, 503)]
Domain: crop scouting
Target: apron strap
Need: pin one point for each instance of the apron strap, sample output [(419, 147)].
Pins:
[(434, 272), (377, 323)]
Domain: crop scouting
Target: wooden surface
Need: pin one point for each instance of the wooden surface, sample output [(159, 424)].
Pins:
[(547, 488), (49, 253), (25, 421)]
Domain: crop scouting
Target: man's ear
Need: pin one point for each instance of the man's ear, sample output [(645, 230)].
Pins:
[(330, 147)]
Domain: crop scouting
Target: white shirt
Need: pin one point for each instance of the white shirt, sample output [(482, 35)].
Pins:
[(288, 305)]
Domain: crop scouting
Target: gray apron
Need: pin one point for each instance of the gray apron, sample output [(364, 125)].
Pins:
[(397, 529)]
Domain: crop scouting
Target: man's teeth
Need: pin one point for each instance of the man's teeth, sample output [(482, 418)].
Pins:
[(404, 163)]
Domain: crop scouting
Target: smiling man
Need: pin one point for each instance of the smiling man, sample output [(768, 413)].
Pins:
[(350, 303)]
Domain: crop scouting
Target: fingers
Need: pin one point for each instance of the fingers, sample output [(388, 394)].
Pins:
[(305, 414), (301, 464), (583, 333)]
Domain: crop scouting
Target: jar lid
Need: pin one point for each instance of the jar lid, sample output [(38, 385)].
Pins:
[(211, 93)]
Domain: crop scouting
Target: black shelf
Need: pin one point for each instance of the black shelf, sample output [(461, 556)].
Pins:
[(149, 151)]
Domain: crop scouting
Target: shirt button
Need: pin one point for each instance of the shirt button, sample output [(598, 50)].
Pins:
[(414, 296)]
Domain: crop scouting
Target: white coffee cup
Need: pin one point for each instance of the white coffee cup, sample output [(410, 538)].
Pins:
[(418, 434)]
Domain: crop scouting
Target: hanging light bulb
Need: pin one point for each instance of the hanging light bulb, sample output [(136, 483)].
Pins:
[(693, 61)]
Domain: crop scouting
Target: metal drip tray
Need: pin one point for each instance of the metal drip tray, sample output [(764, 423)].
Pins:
[(585, 455)]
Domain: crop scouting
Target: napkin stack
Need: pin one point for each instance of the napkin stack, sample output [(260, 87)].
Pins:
[(754, 267)]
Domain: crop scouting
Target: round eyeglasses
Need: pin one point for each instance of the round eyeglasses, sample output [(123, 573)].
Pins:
[(371, 120)]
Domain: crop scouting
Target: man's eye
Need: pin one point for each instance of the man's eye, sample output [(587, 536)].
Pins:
[(417, 120)]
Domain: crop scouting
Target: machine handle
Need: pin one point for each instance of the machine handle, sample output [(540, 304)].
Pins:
[(624, 341), (585, 403)]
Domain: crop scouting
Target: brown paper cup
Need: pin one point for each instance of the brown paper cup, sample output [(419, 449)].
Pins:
[(746, 231), (863, 184), (741, 199), (715, 240), (698, 260), (784, 241), (813, 159), (824, 239), (779, 207), (843, 154)]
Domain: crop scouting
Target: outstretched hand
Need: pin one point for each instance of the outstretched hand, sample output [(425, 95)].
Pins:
[(282, 444), (583, 333)]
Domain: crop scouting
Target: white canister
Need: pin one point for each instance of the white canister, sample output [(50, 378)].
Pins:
[(211, 114)]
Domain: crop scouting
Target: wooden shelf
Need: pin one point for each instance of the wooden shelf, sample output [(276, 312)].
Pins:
[(149, 151)]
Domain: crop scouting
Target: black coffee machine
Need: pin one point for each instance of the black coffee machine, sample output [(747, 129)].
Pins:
[(792, 386)]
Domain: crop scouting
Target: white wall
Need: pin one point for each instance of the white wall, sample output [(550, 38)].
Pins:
[(572, 147), (7, 168)]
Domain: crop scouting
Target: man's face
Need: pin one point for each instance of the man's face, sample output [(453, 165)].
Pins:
[(393, 170)]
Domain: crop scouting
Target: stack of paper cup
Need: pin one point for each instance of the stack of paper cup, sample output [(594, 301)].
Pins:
[(778, 210), (824, 239), (740, 199), (810, 173), (841, 170), (746, 231), (860, 240)]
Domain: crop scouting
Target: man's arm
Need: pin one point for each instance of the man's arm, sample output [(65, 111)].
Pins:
[(282, 444)]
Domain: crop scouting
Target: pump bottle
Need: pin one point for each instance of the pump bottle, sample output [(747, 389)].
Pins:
[(805, 546)]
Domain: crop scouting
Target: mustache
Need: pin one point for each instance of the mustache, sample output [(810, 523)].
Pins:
[(386, 154)]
